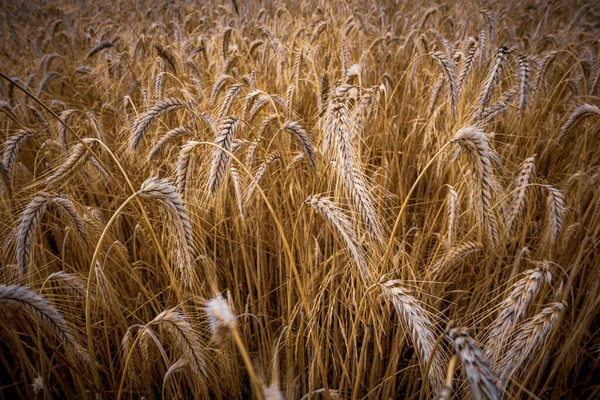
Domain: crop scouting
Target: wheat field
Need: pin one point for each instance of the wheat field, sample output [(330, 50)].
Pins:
[(299, 199)]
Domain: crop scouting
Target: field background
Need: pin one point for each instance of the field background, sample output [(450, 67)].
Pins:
[(299, 199)]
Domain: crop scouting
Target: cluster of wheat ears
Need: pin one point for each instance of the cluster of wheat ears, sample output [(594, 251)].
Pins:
[(299, 199)]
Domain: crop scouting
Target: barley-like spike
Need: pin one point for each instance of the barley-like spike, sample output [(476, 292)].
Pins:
[(76, 161), (475, 142), (455, 254), (163, 191), (186, 339), (453, 211), (230, 97), (221, 319), (556, 210), (450, 72), (183, 164), (581, 112), (167, 56), (492, 80), (519, 200), (99, 47), (524, 77)]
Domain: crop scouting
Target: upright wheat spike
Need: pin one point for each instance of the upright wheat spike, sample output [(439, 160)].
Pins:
[(23, 299), (529, 340), (453, 211), (519, 200), (161, 190), (514, 307), (338, 133), (142, 123), (220, 158), (476, 365), (492, 80), (76, 161), (420, 328), (556, 210), (475, 143), (345, 229)]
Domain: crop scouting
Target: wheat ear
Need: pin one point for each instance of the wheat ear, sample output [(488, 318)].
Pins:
[(475, 364), (531, 337), (514, 307), (419, 327), (474, 141), (220, 158), (23, 299), (492, 80), (519, 200), (142, 123), (344, 228), (167, 138), (301, 136), (581, 112), (76, 161), (12, 146), (161, 190)]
